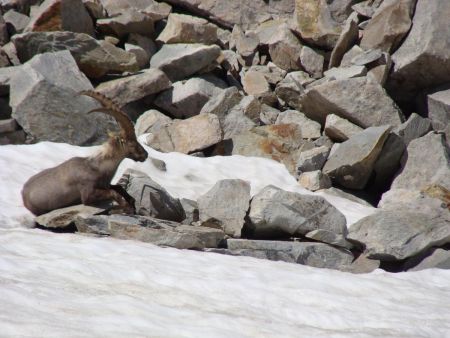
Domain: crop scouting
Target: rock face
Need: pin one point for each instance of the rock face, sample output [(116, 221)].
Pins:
[(182, 28), (151, 230), (422, 65), (225, 205), (150, 198), (179, 61), (352, 163), (278, 213), (396, 235), (415, 127), (94, 58), (45, 102), (357, 100)]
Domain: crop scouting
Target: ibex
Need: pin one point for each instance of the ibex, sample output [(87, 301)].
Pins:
[(87, 179)]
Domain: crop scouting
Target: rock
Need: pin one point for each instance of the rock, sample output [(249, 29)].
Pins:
[(225, 206), (367, 57), (151, 199), (285, 49), (364, 8), (268, 114), (157, 10), (312, 159), (312, 254), (309, 128), (291, 88), (150, 122), (315, 24), (267, 29), (142, 57), (130, 21), (45, 103), (222, 103), (7, 126), (134, 87), (399, 234), (314, 180), (379, 74), (352, 163), (151, 230), (14, 137), (231, 62), (187, 98), (340, 193), (357, 100), (329, 237), (255, 83), (415, 127), (59, 15), (362, 265), (144, 42), (339, 129), (65, 217), (241, 117), (117, 7), (439, 111), (272, 73), (389, 25), (346, 72), (347, 39), (191, 210), (95, 9), (94, 58), (348, 56), (4, 61), (422, 65), (179, 61), (4, 36), (436, 258), (278, 213), (195, 133), (312, 62), (16, 20), (182, 28), (247, 14)]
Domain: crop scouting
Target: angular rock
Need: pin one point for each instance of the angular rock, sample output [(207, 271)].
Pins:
[(187, 98), (59, 15), (312, 159), (272, 73), (16, 20), (142, 57), (379, 74), (352, 163), (312, 62), (45, 103), (255, 84), (343, 73), (362, 265), (191, 210), (130, 21), (348, 56), (329, 237), (134, 87), (179, 61), (436, 259), (389, 25), (312, 254), (225, 206), (151, 121), (347, 39), (151, 199), (285, 49), (278, 213), (367, 57), (426, 64), (309, 128), (240, 118), (415, 127), (222, 103), (117, 7), (357, 100), (157, 10), (438, 104), (182, 28), (65, 217), (4, 36), (95, 9), (267, 29), (95, 58), (268, 114), (151, 230), (396, 235), (291, 88), (314, 180), (339, 129), (7, 126)]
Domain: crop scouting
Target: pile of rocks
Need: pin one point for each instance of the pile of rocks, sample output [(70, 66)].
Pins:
[(348, 94)]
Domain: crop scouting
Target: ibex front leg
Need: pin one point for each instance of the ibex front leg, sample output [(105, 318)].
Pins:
[(90, 196)]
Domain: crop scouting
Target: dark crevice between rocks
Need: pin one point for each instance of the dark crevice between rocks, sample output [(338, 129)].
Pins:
[(71, 228)]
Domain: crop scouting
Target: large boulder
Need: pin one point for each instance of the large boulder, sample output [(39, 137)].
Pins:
[(225, 206), (357, 100), (95, 58), (45, 101), (278, 213), (183, 28)]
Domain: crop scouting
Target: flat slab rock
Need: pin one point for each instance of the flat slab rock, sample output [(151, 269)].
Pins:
[(151, 230), (62, 218)]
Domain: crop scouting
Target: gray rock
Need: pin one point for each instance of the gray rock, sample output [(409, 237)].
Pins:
[(116, 7), (312, 159), (317, 255), (309, 128), (339, 129), (267, 29), (235, 123), (231, 62), (222, 103), (438, 111), (436, 259), (94, 7), (357, 100), (59, 15), (142, 57), (95, 58), (396, 235), (45, 103), (7, 126), (364, 8), (157, 10), (130, 21), (182, 28), (352, 163), (329, 237), (151, 199), (191, 211), (292, 87), (6, 74), (348, 56), (422, 65), (340, 193), (244, 43), (134, 87), (343, 73), (65, 217), (379, 74), (285, 49), (362, 265), (268, 114), (367, 57), (187, 98), (314, 180), (16, 20), (275, 212), (179, 61), (4, 36), (151, 230), (151, 121), (255, 83), (225, 205), (415, 127), (14, 137), (272, 73), (312, 62), (347, 39)]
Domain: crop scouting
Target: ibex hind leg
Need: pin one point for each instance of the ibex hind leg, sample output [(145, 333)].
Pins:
[(90, 196)]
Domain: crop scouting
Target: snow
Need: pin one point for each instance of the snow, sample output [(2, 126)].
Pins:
[(70, 285)]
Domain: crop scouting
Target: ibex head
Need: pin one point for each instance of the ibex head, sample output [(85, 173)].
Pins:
[(125, 141)]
